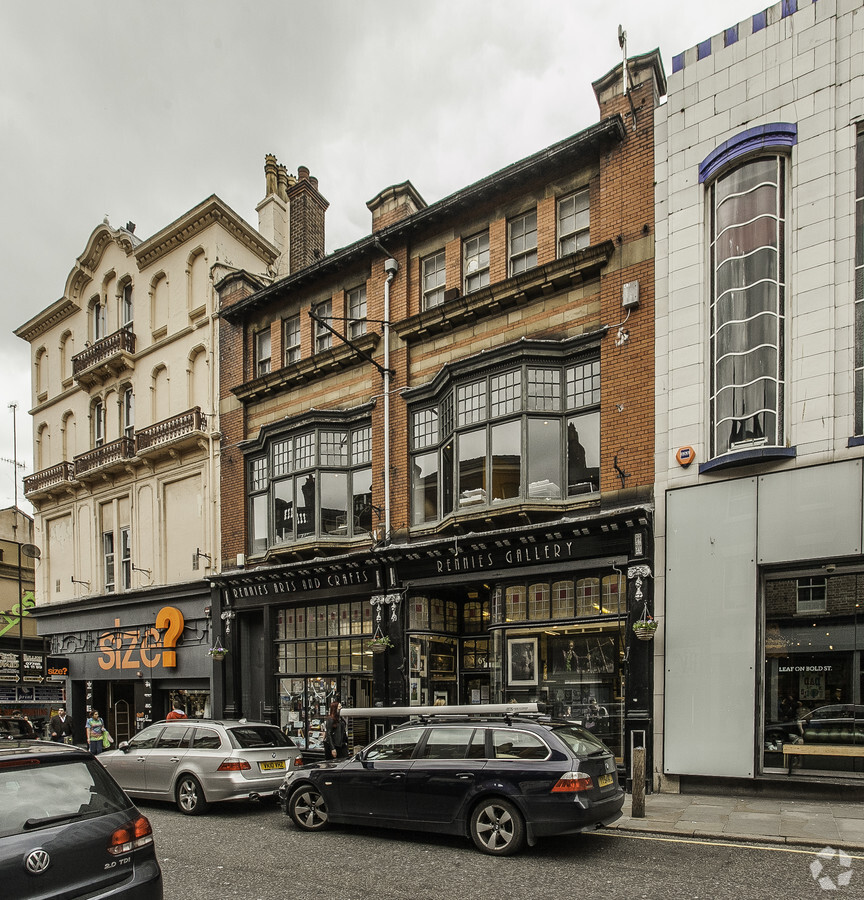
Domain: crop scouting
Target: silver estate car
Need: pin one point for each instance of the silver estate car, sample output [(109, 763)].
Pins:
[(196, 762)]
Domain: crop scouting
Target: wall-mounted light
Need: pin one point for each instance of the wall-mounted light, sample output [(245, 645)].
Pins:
[(198, 555)]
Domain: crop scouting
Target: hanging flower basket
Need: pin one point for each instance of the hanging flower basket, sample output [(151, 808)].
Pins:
[(217, 651), (380, 644), (645, 629)]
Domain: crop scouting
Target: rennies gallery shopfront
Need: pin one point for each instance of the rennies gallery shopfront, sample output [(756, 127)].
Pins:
[(534, 613), (132, 659)]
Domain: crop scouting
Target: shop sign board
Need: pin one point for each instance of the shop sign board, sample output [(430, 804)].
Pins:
[(12, 618), (57, 668), (139, 647), (324, 582), (34, 666)]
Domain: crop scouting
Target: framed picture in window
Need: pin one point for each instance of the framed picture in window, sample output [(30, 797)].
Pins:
[(415, 657), (442, 662), (415, 692), (522, 662)]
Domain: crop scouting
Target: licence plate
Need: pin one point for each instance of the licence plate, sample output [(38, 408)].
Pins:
[(604, 780), (272, 766)]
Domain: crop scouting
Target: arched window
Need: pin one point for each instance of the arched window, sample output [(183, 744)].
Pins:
[(40, 367), (126, 306), (159, 303), (746, 184), (196, 274), (588, 597)]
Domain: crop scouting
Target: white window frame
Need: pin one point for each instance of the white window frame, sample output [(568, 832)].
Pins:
[(108, 561), (127, 310), (291, 338), (263, 350), (98, 423), (522, 242), (125, 558), (323, 337), (434, 276), (475, 260), (574, 222), (356, 305), (128, 410)]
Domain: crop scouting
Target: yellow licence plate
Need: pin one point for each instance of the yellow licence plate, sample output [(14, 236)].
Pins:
[(271, 766), (604, 780)]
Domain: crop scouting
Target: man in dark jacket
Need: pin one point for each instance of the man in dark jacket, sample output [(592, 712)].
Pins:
[(61, 727)]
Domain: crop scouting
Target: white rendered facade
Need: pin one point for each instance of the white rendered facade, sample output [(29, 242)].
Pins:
[(772, 497)]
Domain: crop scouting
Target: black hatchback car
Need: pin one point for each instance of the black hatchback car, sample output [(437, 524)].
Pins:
[(503, 780), (68, 830)]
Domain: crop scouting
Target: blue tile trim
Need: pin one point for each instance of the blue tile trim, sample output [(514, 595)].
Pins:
[(858, 440), (748, 457), (703, 49), (788, 8), (776, 136), (677, 63), (731, 36), (760, 20)]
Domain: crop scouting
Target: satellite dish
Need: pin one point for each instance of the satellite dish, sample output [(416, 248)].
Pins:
[(31, 551)]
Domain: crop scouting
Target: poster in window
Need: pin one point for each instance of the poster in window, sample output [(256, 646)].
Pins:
[(583, 655), (415, 692), (522, 662)]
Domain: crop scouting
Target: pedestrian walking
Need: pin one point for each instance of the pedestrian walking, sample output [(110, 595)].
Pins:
[(61, 727), (335, 733), (95, 732)]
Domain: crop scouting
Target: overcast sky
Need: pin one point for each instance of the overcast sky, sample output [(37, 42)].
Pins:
[(140, 111)]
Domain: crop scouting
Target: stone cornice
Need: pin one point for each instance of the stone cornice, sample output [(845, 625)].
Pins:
[(211, 211), (47, 319), (468, 308)]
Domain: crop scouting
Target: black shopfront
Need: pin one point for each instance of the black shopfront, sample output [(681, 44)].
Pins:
[(132, 658), (534, 613)]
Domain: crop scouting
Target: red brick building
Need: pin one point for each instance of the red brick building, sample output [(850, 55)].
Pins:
[(444, 434)]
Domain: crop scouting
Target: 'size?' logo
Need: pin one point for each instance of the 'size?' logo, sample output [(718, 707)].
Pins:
[(831, 869)]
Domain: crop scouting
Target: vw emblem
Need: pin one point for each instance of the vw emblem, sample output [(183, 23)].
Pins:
[(38, 861)]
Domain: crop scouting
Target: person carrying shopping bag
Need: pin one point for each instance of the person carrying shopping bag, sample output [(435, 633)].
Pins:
[(96, 732)]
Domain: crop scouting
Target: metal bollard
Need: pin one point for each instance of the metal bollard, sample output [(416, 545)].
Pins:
[(637, 810)]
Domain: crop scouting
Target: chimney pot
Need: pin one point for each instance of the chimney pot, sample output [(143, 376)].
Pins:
[(302, 173)]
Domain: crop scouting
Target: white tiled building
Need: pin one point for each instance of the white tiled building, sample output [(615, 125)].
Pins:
[(760, 400)]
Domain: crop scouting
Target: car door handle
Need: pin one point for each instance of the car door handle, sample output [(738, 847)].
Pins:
[(174, 759), (465, 776), (397, 774), (141, 758)]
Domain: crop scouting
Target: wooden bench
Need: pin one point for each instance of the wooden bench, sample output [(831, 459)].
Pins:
[(848, 750)]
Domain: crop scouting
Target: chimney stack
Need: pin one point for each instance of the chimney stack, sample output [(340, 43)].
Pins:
[(393, 204), (291, 216)]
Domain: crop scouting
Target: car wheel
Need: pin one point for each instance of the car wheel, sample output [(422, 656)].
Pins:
[(190, 796), (497, 827), (308, 809)]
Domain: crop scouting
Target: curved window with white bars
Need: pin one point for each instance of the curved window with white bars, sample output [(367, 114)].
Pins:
[(747, 223)]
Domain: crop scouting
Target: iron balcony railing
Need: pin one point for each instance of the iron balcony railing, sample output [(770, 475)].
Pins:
[(47, 478), (119, 342), (169, 430), (115, 452)]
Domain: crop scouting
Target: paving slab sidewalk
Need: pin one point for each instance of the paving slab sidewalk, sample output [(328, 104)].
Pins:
[(809, 822)]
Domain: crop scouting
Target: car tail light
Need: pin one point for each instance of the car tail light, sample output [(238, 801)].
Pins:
[(234, 765), (132, 836), (298, 761), (19, 763), (571, 782)]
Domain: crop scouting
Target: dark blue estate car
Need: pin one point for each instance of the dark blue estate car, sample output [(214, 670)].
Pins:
[(503, 781)]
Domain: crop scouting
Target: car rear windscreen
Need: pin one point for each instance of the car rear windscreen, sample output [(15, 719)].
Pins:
[(250, 737), (31, 794)]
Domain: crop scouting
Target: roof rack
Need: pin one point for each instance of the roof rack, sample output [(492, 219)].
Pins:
[(506, 710)]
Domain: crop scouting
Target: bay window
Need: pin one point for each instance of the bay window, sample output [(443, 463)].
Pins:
[(530, 433), (316, 482)]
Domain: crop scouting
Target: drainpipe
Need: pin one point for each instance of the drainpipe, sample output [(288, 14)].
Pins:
[(391, 267)]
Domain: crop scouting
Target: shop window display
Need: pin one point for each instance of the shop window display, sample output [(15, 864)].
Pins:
[(813, 643)]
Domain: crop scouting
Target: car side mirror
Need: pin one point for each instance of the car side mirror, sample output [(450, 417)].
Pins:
[(124, 746)]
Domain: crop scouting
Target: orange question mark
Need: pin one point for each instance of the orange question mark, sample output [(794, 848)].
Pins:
[(171, 618)]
